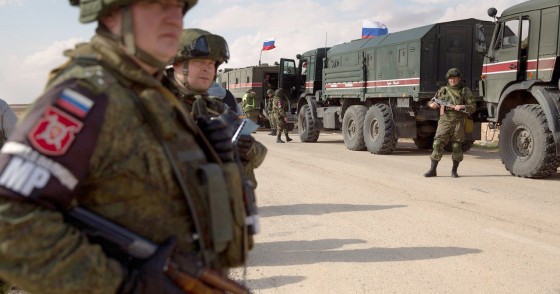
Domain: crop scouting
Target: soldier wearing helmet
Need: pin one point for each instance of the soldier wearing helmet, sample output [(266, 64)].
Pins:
[(270, 112), (280, 107), (451, 124), (191, 75), (107, 136)]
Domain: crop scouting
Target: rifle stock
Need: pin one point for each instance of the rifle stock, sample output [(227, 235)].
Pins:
[(195, 278)]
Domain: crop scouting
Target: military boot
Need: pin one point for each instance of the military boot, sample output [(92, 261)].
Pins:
[(287, 137), (272, 132), (454, 169), (279, 138), (432, 171)]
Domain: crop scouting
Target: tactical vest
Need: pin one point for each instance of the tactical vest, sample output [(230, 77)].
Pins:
[(217, 212)]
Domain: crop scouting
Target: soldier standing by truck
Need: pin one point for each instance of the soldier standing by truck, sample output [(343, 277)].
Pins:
[(270, 112), (280, 107), (455, 102), (248, 105)]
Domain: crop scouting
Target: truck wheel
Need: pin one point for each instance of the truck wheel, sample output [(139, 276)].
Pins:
[(379, 130), (306, 125), (424, 142), (353, 127), (466, 146), (526, 144)]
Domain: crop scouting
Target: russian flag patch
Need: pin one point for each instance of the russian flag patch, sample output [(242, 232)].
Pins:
[(74, 103)]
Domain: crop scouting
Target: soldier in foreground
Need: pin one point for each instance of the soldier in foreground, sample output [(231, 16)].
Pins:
[(270, 112), (451, 124), (108, 137), (279, 108), (192, 73)]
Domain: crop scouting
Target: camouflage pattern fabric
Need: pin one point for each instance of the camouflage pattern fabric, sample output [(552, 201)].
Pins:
[(279, 108), (215, 107), (106, 160), (270, 112), (451, 125)]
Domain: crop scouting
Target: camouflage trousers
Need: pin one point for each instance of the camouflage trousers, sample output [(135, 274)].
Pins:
[(252, 115), (280, 123), (272, 120), (449, 131)]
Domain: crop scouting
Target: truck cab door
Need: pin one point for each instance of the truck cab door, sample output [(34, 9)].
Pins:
[(506, 62), (287, 78)]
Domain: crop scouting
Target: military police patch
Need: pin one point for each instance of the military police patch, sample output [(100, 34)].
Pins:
[(54, 132), (48, 154)]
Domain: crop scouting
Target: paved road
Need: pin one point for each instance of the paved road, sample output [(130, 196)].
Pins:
[(338, 221)]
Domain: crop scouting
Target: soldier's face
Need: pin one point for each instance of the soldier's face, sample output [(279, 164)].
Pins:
[(454, 81), (201, 74), (157, 26)]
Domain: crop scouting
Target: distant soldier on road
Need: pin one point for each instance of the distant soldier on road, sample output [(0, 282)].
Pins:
[(451, 124), (248, 103), (280, 108), (270, 112)]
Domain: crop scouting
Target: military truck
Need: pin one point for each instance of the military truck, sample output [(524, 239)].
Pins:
[(519, 84), (258, 78), (376, 90)]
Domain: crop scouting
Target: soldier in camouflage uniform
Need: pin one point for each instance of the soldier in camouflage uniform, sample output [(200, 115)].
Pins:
[(451, 124), (107, 136), (279, 108), (248, 104), (193, 70), (270, 112)]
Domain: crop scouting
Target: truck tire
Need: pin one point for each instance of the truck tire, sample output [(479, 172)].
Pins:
[(466, 146), (306, 125), (526, 144), (379, 130), (353, 127)]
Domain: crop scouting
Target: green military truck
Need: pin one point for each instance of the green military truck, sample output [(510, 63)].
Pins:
[(520, 86), (376, 90), (259, 78)]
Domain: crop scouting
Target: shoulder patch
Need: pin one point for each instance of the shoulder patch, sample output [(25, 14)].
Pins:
[(48, 154)]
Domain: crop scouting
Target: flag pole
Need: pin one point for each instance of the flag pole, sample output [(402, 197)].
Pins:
[(260, 58)]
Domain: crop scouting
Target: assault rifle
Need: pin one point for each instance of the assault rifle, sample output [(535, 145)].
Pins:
[(446, 104), (193, 278)]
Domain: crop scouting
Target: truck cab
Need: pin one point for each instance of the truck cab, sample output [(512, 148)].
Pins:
[(520, 86)]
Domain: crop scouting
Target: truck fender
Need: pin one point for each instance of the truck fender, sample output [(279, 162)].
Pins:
[(549, 99)]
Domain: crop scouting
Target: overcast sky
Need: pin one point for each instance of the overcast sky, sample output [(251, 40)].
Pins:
[(33, 33)]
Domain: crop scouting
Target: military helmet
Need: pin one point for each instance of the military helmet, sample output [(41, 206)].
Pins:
[(269, 91), (279, 92), (91, 10), (197, 43), (453, 72)]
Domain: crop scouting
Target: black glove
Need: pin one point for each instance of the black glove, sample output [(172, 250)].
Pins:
[(150, 277), (219, 135), (245, 147)]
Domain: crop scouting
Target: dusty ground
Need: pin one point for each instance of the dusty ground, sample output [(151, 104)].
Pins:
[(337, 221)]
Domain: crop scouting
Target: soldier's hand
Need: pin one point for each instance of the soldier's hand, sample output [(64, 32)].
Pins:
[(433, 105), (150, 276), (246, 147), (458, 107), (219, 135)]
